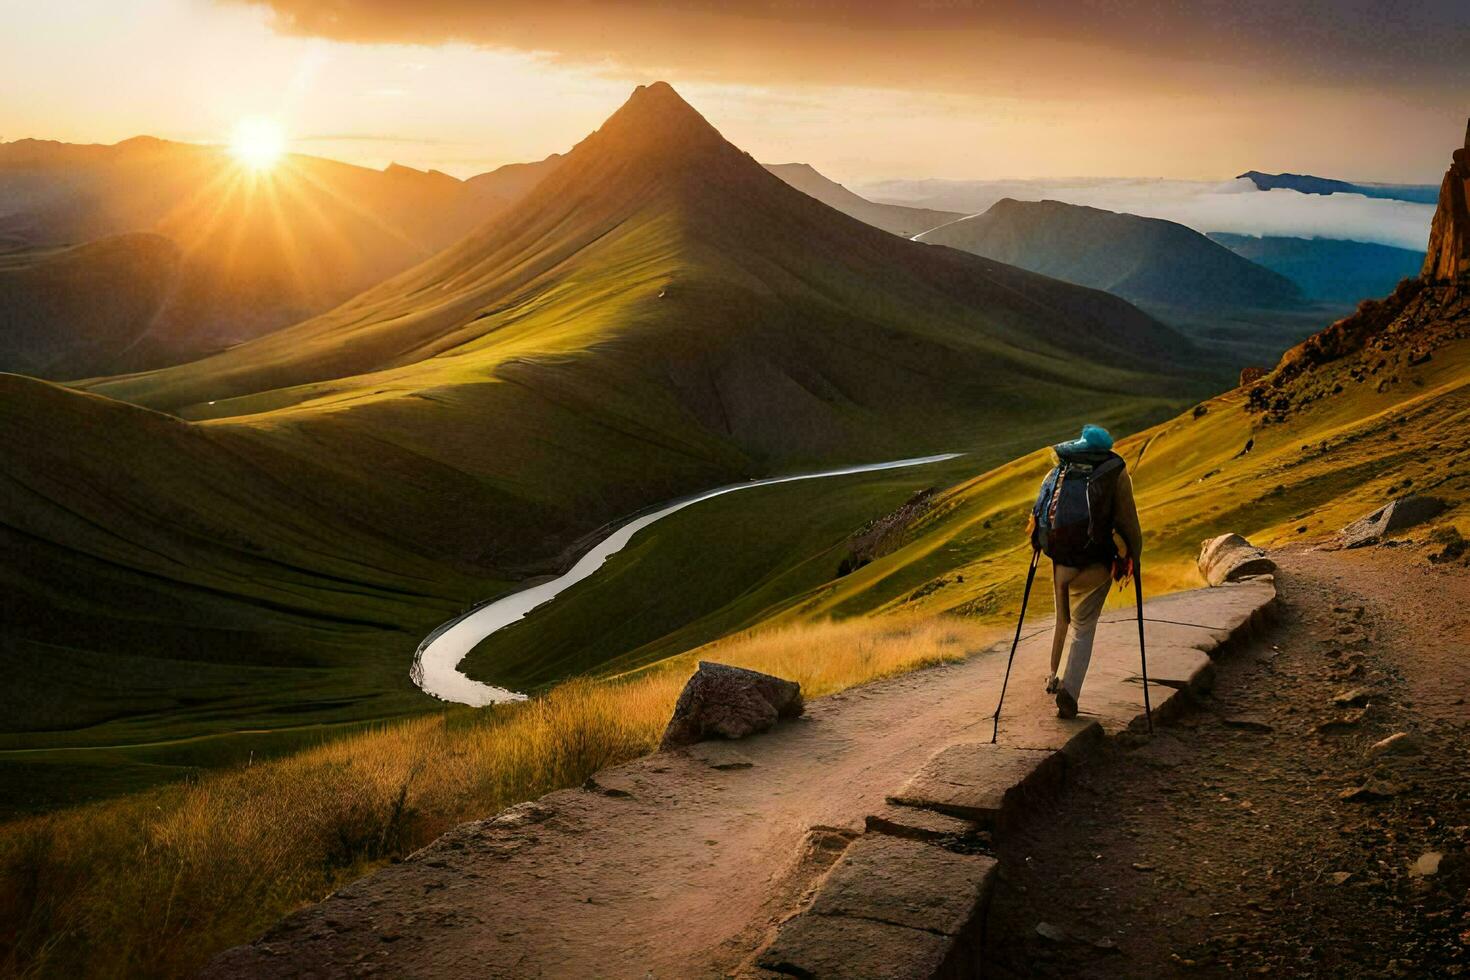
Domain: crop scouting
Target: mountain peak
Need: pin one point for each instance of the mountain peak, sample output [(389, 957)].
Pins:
[(655, 104), (659, 93), (655, 117)]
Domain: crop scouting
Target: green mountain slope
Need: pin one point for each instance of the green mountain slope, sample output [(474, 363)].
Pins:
[(71, 312)]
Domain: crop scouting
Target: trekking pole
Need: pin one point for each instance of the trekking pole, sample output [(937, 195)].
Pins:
[(1025, 596), (1148, 713)]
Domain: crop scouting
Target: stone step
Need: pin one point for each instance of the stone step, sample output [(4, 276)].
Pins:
[(840, 948), (917, 824), (890, 907), (989, 784), (1073, 737)]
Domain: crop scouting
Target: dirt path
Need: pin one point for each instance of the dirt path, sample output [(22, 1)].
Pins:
[(1221, 848), (683, 864)]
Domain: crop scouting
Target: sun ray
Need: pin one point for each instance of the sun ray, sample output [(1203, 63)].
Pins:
[(258, 142)]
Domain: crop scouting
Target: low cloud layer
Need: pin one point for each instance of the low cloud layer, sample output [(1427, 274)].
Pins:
[(1231, 206)]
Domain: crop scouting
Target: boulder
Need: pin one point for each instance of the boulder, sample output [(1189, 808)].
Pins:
[(1392, 516), (1399, 743), (1250, 375), (730, 702), (1230, 558)]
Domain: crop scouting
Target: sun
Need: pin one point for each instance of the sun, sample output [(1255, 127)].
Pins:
[(258, 142)]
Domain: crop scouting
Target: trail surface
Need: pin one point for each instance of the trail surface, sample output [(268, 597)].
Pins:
[(682, 864), (1260, 834), (436, 662)]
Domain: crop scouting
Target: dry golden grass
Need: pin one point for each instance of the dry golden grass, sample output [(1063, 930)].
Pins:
[(154, 884)]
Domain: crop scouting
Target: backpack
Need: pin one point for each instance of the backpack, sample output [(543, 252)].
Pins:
[(1073, 513)]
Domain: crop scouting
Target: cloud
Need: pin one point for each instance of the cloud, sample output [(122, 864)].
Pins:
[(1091, 45), (1231, 205)]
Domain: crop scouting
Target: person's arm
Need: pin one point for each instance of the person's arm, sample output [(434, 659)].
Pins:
[(1125, 516)]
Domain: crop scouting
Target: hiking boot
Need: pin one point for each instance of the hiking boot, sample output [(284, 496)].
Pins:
[(1066, 704)]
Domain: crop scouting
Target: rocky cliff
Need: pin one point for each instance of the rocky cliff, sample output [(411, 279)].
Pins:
[(1448, 260), (1386, 337)]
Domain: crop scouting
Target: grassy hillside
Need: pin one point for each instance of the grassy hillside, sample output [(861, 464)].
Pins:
[(155, 884), (1335, 458), (655, 223), (262, 536), (68, 312)]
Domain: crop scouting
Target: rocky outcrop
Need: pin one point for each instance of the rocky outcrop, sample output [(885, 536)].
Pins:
[(1448, 258), (1385, 338), (730, 702), (1250, 375), (886, 534), (1230, 558), (1392, 516)]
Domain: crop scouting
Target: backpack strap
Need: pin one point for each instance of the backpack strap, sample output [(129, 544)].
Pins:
[(1108, 470), (1113, 462)]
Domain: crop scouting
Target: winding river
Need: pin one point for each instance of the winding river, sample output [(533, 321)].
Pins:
[(436, 662)]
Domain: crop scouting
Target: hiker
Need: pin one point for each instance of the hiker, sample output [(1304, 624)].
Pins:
[(1085, 521)]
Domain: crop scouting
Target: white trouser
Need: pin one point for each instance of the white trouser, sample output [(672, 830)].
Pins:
[(1089, 588)]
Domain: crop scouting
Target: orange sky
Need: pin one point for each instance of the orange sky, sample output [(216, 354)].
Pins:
[(859, 88)]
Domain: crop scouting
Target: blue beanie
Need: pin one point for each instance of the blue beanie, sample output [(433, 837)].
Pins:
[(1096, 437)]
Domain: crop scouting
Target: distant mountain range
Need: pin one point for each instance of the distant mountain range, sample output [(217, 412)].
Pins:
[(510, 183), (1144, 260), (1328, 269), (256, 251), (1204, 205), (252, 253), (896, 218), (1308, 184)]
